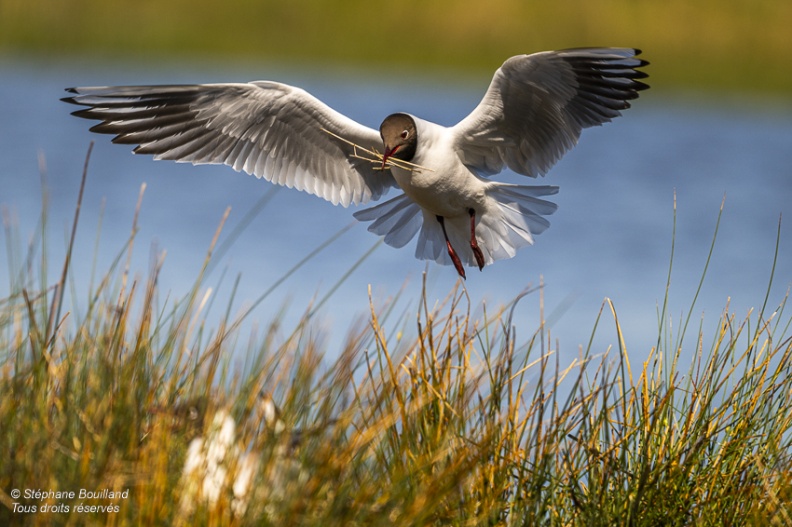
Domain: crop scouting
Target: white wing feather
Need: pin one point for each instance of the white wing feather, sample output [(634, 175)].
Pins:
[(537, 105), (268, 129)]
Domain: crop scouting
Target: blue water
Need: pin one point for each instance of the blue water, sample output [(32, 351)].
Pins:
[(611, 236)]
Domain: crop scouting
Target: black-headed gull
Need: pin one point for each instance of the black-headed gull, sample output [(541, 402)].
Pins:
[(532, 113)]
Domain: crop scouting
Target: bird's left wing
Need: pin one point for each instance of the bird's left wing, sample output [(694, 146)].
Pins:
[(271, 130), (537, 105)]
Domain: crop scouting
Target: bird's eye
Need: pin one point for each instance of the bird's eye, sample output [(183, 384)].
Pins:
[(405, 134)]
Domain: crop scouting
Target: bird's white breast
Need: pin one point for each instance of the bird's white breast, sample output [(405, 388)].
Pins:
[(440, 183)]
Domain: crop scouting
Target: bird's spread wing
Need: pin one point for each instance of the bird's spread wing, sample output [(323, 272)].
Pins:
[(537, 105), (272, 130)]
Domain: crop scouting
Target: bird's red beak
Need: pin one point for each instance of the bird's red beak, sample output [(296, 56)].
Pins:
[(389, 153)]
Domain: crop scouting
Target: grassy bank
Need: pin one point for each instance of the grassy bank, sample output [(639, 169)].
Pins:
[(736, 45), (472, 421)]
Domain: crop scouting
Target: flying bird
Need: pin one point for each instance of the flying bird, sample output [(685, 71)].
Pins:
[(532, 113)]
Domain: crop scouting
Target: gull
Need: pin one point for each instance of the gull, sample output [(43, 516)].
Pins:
[(532, 113)]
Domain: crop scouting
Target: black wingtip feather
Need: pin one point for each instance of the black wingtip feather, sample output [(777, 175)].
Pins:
[(70, 100)]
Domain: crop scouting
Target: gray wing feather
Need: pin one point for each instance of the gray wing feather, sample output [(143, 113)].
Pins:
[(271, 130), (537, 105)]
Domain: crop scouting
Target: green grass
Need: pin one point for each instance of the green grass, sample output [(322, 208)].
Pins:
[(705, 44), (428, 417)]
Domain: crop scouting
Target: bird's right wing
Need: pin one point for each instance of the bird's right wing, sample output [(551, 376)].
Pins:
[(268, 129)]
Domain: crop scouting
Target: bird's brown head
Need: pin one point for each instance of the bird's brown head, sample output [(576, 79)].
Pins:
[(399, 137)]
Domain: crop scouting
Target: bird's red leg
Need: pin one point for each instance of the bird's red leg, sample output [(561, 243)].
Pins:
[(451, 252), (473, 242)]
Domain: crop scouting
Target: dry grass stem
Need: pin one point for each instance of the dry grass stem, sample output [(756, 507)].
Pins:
[(376, 158), (436, 415)]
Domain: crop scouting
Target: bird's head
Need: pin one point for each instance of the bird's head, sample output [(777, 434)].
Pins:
[(399, 137)]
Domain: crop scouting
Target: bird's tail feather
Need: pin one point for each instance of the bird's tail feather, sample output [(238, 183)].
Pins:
[(515, 214), (397, 219), (518, 216)]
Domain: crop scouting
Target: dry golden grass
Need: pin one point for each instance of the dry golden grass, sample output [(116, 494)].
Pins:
[(459, 424)]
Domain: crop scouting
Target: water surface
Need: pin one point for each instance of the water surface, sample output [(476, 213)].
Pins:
[(611, 235)]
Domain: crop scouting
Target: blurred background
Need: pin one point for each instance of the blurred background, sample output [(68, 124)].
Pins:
[(717, 122), (706, 44)]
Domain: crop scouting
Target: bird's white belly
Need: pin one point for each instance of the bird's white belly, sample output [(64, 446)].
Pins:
[(446, 193)]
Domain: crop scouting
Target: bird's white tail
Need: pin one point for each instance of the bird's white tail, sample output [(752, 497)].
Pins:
[(514, 215)]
